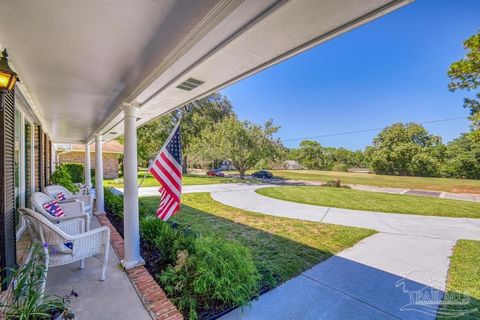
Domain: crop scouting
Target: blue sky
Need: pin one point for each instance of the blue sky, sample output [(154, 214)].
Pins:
[(390, 70)]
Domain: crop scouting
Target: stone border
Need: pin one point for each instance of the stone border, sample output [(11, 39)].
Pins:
[(152, 295)]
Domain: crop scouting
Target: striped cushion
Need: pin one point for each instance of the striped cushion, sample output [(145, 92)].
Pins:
[(61, 196), (53, 208)]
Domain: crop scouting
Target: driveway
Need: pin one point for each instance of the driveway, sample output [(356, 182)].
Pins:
[(378, 278)]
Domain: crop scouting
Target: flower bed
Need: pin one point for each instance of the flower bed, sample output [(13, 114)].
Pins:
[(202, 275)]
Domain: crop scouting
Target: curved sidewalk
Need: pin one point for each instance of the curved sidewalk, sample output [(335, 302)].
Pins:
[(374, 279), (245, 197)]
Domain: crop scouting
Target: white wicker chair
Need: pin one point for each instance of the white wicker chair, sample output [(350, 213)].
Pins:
[(87, 200), (94, 243), (73, 209)]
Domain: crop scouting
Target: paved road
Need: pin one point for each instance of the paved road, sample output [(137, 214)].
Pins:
[(392, 190), (422, 193), (371, 280)]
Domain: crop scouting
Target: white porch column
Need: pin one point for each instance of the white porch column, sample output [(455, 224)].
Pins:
[(99, 174), (130, 194), (88, 176)]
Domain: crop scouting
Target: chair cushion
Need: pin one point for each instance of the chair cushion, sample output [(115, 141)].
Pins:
[(65, 248), (61, 196), (54, 208)]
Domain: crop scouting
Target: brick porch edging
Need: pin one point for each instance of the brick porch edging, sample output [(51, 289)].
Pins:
[(148, 289)]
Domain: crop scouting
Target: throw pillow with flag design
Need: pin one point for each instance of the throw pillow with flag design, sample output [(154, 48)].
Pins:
[(61, 196), (54, 208)]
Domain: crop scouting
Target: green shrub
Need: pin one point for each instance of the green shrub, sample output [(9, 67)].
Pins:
[(218, 273), (76, 171), (62, 177), (113, 202), (339, 166), (167, 240)]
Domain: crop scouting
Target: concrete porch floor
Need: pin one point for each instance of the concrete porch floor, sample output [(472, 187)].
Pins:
[(114, 298)]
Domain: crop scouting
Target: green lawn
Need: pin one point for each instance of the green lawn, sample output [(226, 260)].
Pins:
[(372, 201), (188, 180), (464, 279), (282, 248), (440, 184)]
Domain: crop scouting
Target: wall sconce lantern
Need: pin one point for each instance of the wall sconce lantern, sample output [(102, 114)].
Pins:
[(8, 77)]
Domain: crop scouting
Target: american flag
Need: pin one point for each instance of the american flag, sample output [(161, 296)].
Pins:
[(54, 208), (167, 169)]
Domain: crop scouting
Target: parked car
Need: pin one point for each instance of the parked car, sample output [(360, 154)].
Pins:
[(215, 173), (262, 174)]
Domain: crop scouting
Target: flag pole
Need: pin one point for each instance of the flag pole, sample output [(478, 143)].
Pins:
[(164, 145)]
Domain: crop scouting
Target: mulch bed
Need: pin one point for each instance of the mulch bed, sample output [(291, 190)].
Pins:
[(150, 256)]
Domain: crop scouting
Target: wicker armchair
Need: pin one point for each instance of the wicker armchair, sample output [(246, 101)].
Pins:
[(73, 209), (94, 243), (87, 200)]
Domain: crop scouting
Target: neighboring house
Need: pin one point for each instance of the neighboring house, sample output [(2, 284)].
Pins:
[(291, 165), (112, 151), (226, 165)]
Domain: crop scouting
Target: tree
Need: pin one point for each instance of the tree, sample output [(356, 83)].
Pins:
[(463, 158), (241, 142), (341, 158), (196, 116), (465, 75), (310, 154), (406, 149)]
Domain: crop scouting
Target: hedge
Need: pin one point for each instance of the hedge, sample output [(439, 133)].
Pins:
[(76, 171)]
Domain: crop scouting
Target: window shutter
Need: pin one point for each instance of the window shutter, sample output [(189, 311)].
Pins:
[(41, 158), (48, 159), (36, 160), (8, 254), (28, 163)]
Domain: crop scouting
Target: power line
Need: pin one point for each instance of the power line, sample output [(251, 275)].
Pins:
[(367, 130)]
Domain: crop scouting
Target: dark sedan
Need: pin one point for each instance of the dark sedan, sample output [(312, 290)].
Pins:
[(262, 174)]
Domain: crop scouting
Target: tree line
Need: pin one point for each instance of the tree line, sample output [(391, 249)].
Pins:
[(400, 149), (212, 133)]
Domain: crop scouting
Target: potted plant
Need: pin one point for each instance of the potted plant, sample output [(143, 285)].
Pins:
[(28, 301)]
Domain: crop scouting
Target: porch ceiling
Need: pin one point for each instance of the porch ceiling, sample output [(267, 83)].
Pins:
[(79, 60)]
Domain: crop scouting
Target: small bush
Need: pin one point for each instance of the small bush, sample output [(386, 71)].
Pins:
[(62, 177), (76, 171), (92, 174), (333, 183), (113, 202), (218, 274), (167, 240)]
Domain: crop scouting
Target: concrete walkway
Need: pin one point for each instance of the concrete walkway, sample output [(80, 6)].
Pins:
[(114, 298), (377, 278)]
